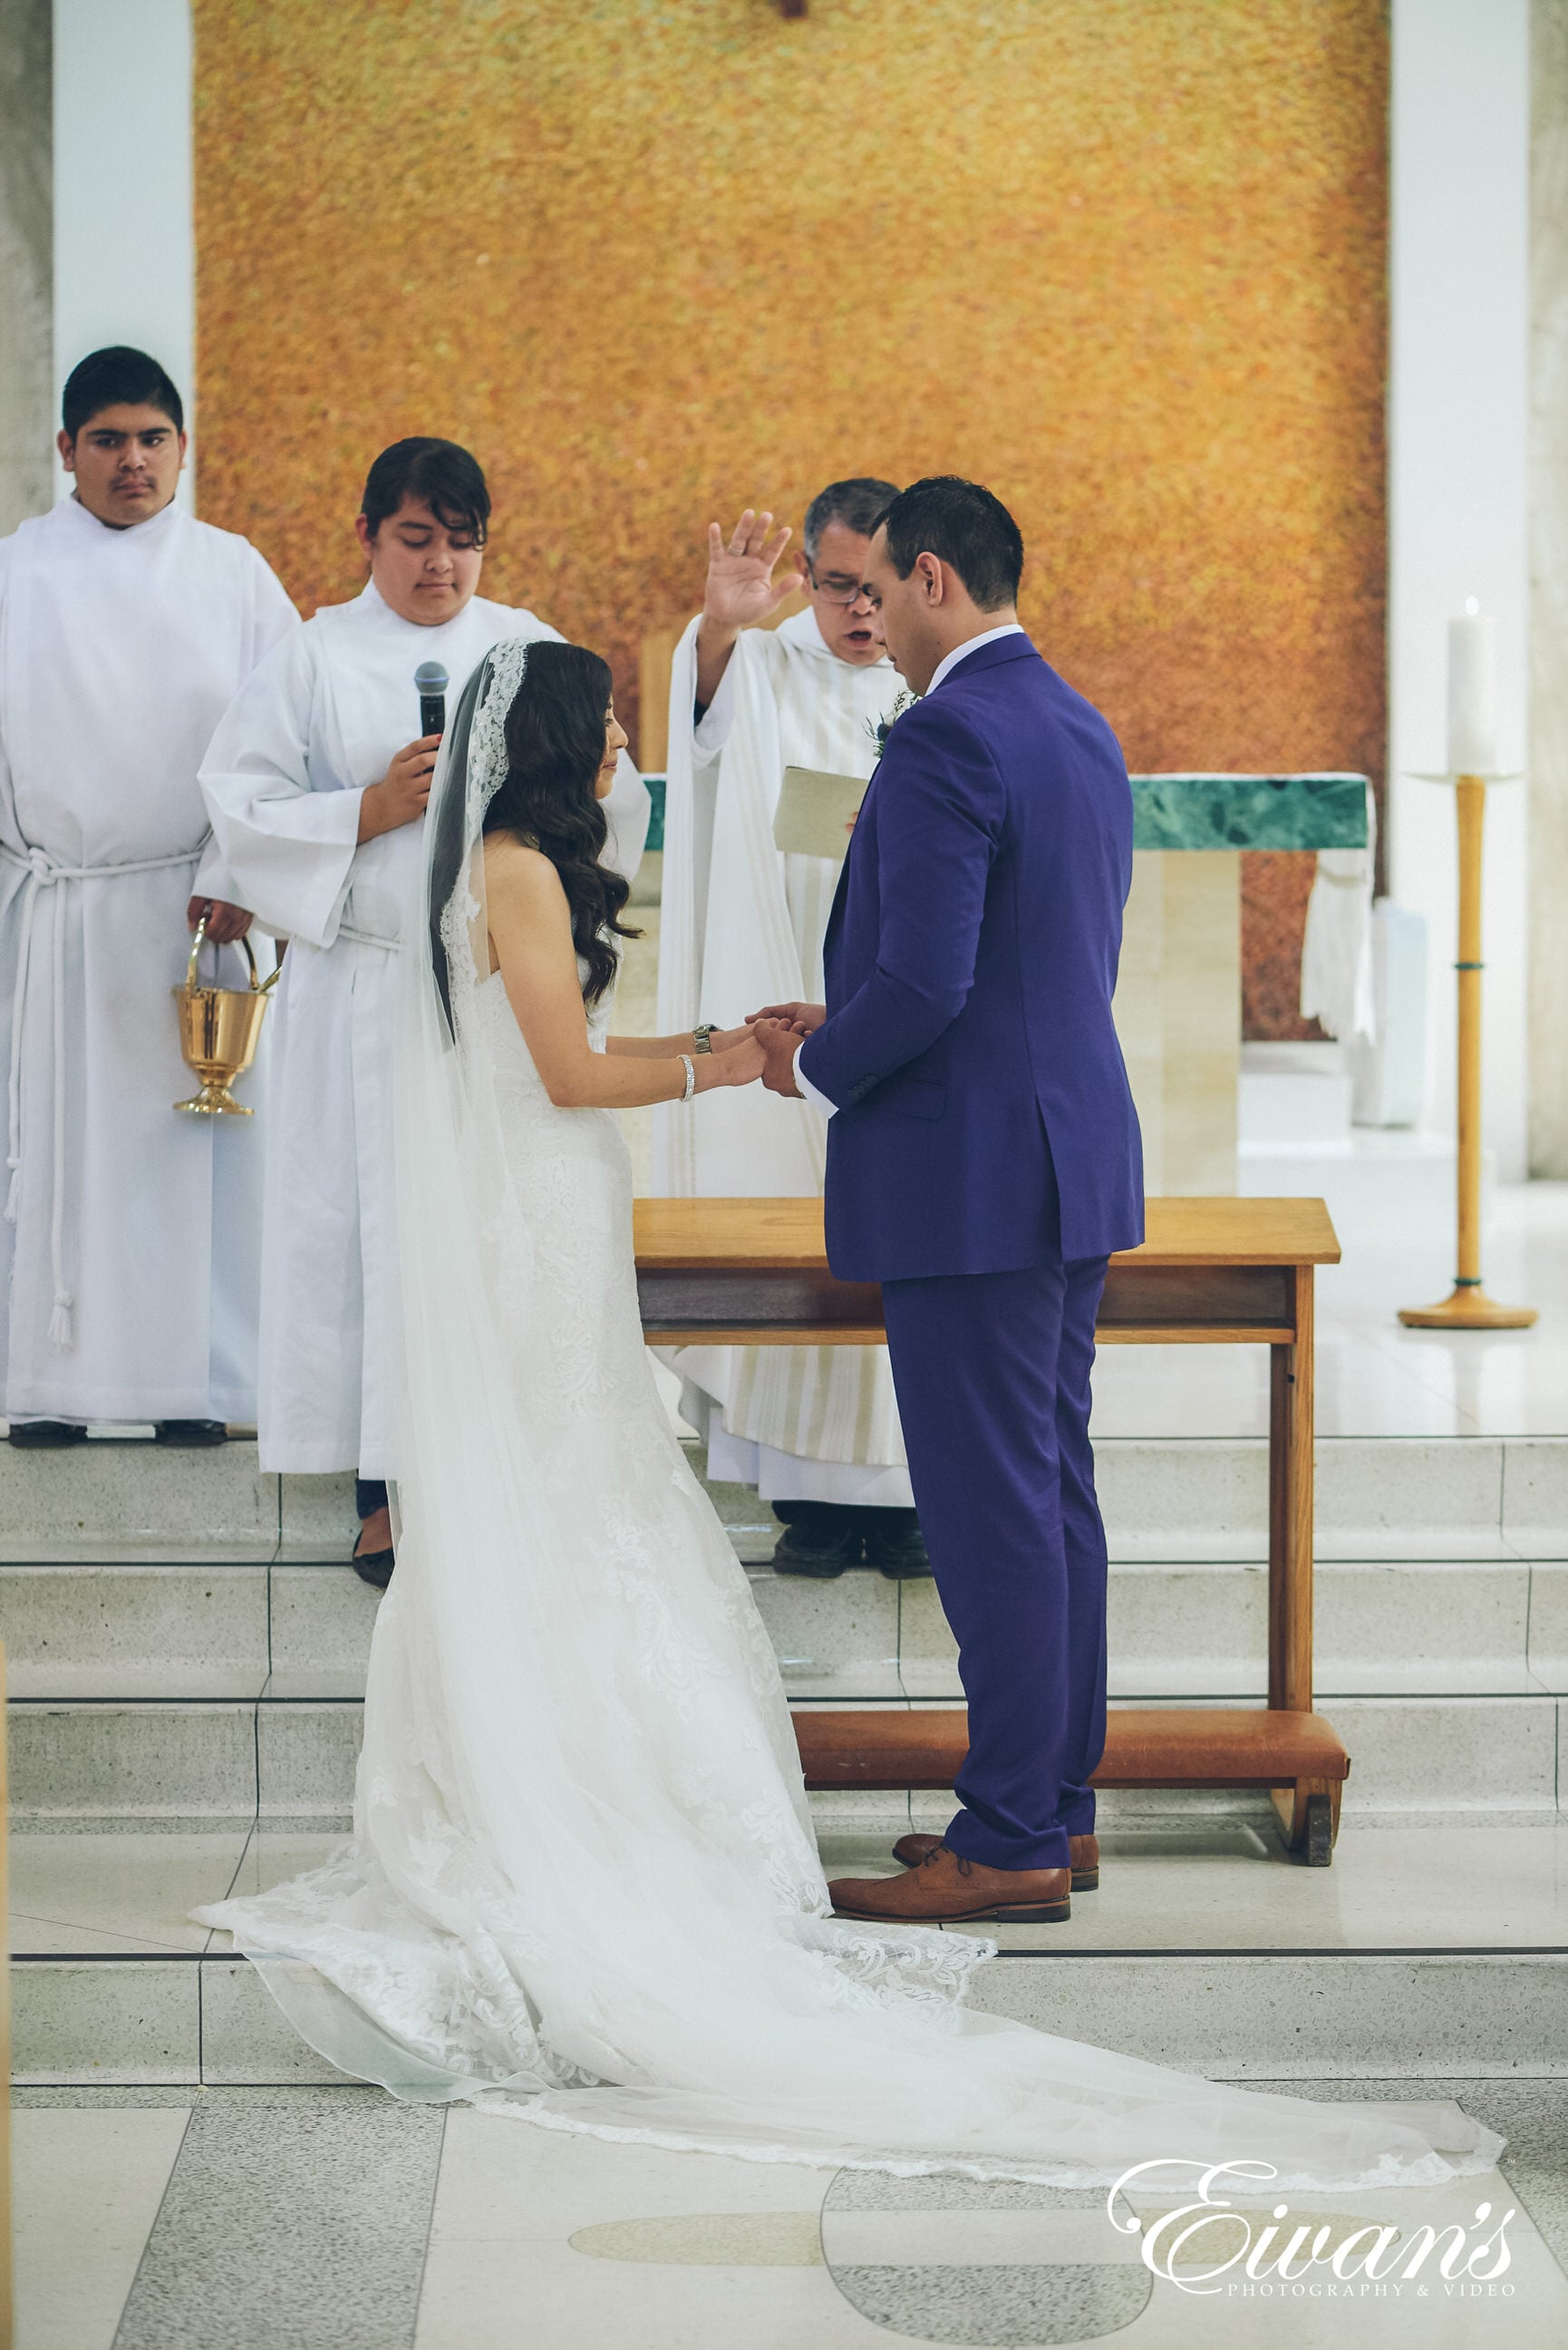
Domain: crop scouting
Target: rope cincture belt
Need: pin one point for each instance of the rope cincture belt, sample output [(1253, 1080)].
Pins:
[(43, 873)]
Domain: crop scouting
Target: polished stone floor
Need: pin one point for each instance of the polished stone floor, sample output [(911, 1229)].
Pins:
[(1179, 1885), (334, 2220), (1391, 1199)]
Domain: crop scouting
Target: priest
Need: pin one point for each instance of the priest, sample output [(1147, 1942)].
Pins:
[(128, 1249), (814, 1428), (316, 782)]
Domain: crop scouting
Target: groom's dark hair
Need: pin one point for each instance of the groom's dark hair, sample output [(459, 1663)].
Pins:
[(964, 523)]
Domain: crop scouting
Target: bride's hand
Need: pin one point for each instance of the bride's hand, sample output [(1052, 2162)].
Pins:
[(724, 1040), (741, 1065)]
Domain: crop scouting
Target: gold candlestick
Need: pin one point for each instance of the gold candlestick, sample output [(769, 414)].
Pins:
[(1470, 1307)]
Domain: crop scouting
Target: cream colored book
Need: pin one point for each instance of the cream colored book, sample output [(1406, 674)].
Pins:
[(816, 811)]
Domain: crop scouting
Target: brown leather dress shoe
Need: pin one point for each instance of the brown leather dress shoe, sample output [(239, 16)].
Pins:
[(1085, 1855), (947, 1889)]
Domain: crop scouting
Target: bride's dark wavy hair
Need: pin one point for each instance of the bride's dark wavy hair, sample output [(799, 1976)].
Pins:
[(555, 746)]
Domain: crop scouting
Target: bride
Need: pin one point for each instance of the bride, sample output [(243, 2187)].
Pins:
[(583, 1886)]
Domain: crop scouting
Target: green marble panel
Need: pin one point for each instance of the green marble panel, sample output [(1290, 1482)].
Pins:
[(1248, 811)]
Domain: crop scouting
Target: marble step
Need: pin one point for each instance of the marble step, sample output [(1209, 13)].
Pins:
[(1203, 1947), (292, 1758), (1167, 1499), (188, 1630)]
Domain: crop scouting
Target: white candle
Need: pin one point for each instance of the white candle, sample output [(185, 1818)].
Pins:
[(1472, 693)]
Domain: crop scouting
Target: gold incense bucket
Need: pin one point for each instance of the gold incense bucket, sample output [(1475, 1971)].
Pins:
[(219, 1028)]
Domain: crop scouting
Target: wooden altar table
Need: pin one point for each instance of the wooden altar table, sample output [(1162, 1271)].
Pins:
[(1223, 1272)]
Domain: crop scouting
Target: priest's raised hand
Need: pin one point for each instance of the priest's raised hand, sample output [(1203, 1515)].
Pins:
[(739, 591)]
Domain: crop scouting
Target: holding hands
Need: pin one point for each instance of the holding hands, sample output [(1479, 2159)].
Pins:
[(764, 1047), (734, 1057), (802, 1019), (779, 1027)]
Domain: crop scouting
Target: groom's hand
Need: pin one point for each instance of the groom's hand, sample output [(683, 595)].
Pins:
[(780, 1045), (804, 1018)]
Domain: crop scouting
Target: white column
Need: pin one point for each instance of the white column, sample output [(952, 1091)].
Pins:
[(125, 252), (1549, 590), (1457, 424)]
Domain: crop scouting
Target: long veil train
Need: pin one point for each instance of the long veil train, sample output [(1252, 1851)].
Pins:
[(582, 1887)]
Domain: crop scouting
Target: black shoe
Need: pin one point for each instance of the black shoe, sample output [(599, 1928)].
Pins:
[(901, 1556), (43, 1435), (192, 1432), (375, 1567), (817, 1540), (895, 1543), (372, 1566)]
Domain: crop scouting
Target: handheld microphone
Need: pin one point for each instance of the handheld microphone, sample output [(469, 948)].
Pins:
[(430, 684)]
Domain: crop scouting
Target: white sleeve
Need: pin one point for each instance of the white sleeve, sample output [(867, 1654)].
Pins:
[(627, 813), (711, 734), (813, 1093), (287, 849), (274, 617)]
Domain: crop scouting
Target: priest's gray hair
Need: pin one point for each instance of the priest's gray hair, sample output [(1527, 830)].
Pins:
[(857, 504)]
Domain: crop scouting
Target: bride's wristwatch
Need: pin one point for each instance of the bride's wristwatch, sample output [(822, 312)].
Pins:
[(702, 1035)]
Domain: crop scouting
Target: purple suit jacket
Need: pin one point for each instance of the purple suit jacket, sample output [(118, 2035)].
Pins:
[(971, 960)]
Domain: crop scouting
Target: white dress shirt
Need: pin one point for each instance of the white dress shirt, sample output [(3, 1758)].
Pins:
[(944, 668)]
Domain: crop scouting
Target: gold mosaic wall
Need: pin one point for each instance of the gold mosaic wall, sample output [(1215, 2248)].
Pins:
[(655, 259)]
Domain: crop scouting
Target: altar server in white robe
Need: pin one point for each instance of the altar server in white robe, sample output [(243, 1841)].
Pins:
[(130, 1245), (814, 1428), (316, 794)]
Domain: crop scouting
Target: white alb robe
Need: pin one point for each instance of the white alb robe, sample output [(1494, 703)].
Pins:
[(742, 925), (129, 1276), (315, 726)]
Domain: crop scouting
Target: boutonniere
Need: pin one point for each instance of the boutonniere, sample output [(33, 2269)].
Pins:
[(883, 727)]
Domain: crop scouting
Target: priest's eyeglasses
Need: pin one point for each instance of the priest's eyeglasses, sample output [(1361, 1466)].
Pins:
[(838, 590)]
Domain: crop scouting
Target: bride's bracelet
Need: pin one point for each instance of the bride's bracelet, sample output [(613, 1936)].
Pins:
[(690, 1065)]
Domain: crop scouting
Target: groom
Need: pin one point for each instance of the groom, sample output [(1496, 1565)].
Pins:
[(983, 1161)]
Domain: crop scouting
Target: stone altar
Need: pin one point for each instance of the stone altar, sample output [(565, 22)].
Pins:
[(1178, 1000)]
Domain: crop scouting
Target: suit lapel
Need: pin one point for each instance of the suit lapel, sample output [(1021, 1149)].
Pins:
[(841, 894), (834, 918)]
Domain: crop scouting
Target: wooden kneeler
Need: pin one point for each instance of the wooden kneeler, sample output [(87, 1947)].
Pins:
[(1147, 1746), (1228, 1272)]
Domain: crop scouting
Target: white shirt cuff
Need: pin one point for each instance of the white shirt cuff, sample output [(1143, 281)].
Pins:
[(808, 1089)]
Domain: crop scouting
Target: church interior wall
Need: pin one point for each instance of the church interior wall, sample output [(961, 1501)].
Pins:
[(26, 223), (124, 233), (1458, 416), (1124, 260), (1156, 294), (1548, 748)]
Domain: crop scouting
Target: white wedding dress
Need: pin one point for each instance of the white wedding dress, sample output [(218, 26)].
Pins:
[(583, 1886)]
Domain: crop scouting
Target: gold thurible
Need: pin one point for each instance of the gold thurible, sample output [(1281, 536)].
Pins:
[(219, 1028)]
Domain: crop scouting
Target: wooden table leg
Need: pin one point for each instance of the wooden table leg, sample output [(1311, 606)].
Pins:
[(1281, 1361), (1307, 1812)]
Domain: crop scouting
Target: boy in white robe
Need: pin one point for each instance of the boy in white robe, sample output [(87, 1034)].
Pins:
[(814, 1428), (129, 1248), (316, 794)]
